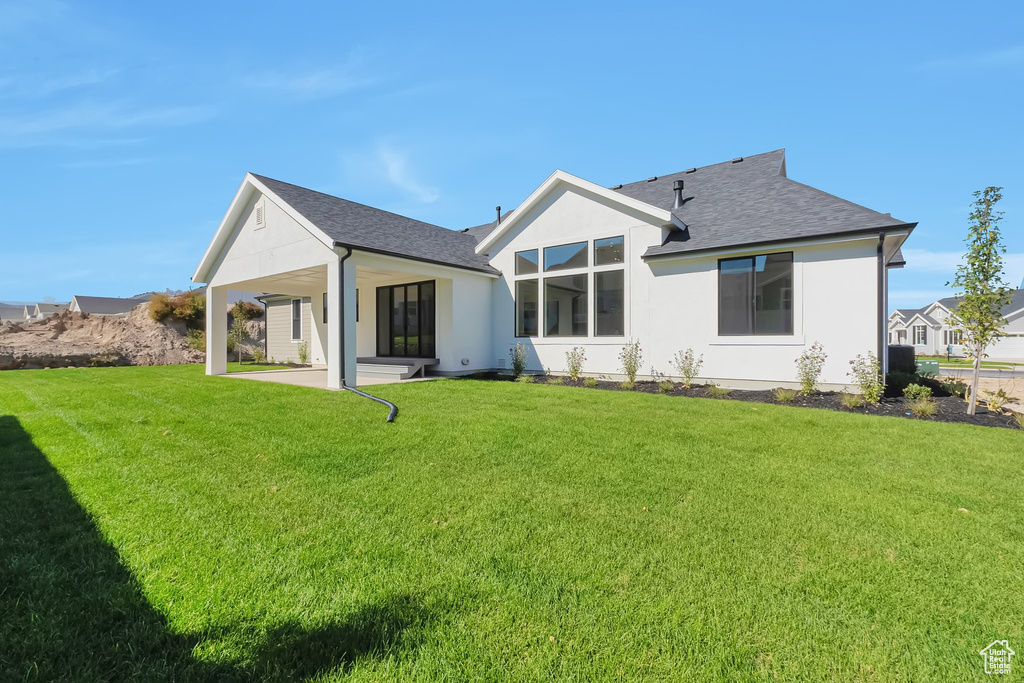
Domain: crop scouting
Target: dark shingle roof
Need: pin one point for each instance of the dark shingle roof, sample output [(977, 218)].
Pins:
[(364, 227), (750, 202), (12, 312), (1016, 302), (106, 305), (51, 308)]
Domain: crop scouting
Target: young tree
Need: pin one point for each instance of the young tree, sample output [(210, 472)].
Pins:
[(979, 283), (242, 313)]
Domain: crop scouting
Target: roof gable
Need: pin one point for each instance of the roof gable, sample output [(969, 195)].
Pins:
[(559, 179)]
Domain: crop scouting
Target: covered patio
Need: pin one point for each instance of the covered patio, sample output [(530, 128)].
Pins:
[(315, 378)]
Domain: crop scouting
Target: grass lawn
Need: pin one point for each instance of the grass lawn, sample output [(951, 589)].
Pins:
[(158, 524)]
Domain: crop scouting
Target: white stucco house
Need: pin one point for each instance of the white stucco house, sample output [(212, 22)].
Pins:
[(930, 329), (735, 260)]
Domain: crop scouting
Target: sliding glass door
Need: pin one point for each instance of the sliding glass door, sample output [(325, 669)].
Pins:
[(405, 320)]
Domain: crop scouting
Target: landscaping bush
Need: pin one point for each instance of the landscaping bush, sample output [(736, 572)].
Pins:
[(232, 344), (916, 391), (995, 400), (783, 395), (687, 365), (1019, 419), (555, 379), (716, 391), (852, 400), (160, 307), (247, 310), (953, 387), (808, 367), (303, 352), (665, 386), (574, 362), (526, 379), (896, 382), (258, 356), (923, 406), (518, 355), (865, 373), (196, 339), (189, 306), (631, 356), (590, 382), (627, 385)]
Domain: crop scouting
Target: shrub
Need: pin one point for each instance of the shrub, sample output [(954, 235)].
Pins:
[(665, 387), (995, 400), (687, 365), (716, 391), (590, 382), (1019, 418), (556, 380), (303, 351), (808, 367), (196, 339), (896, 382), (258, 356), (526, 379), (915, 391), (160, 307), (865, 373), (189, 306), (574, 362), (923, 406), (783, 395), (232, 344), (852, 400), (627, 385), (954, 387), (518, 354), (631, 356), (246, 310)]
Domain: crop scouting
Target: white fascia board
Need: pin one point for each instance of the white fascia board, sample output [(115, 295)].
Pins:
[(664, 216), (917, 316), (249, 185), (758, 248)]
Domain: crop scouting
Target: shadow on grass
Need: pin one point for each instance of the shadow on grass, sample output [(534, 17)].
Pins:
[(69, 610)]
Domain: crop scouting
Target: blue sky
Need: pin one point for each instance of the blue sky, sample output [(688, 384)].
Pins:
[(126, 128)]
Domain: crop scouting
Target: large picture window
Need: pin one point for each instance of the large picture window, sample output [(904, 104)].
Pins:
[(565, 256), (527, 307), (565, 306), (920, 334), (755, 295)]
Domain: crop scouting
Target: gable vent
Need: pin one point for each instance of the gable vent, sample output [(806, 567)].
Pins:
[(261, 215)]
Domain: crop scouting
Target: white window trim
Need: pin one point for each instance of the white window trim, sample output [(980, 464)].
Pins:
[(542, 339)]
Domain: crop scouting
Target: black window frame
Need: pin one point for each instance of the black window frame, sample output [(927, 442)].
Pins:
[(752, 317), (296, 319)]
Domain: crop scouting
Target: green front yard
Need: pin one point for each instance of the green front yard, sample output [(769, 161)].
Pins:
[(159, 524)]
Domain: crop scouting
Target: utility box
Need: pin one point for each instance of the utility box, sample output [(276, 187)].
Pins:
[(928, 367)]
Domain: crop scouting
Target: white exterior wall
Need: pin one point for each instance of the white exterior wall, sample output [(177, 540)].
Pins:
[(673, 304)]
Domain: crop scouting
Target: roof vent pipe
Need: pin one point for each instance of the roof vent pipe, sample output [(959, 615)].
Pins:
[(677, 189), (498, 209)]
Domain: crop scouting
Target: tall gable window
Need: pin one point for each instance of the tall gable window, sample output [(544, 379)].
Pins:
[(755, 295), (920, 334), (296, 319)]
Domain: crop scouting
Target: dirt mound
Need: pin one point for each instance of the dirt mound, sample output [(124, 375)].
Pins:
[(76, 339)]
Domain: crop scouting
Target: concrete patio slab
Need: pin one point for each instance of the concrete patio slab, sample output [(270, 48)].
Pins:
[(311, 377)]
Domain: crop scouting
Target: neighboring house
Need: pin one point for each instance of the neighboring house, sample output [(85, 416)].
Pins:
[(930, 329), (12, 313), (735, 260), (104, 305), (40, 311)]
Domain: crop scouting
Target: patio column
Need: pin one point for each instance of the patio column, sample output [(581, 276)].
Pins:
[(216, 330), (341, 323)]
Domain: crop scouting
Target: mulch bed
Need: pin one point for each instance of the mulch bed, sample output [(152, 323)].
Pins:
[(948, 408)]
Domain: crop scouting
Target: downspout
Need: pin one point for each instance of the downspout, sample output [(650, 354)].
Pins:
[(883, 361), (266, 336), (393, 409)]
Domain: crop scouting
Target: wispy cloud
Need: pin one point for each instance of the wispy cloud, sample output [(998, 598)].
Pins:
[(309, 84), (946, 262), (399, 172), (34, 85), (1004, 57), (72, 123)]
